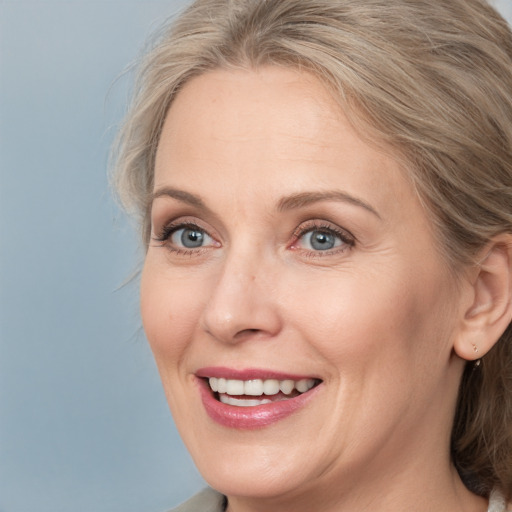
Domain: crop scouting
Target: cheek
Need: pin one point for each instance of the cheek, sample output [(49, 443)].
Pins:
[(359, 321), (170, 310)]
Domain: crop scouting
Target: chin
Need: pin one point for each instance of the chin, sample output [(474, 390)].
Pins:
[(253, 475), (266, 463)]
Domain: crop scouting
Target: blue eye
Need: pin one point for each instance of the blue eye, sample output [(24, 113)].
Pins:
[(190, 238), (321, 240)]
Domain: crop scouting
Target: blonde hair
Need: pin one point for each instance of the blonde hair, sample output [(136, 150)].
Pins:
[(430, 79)]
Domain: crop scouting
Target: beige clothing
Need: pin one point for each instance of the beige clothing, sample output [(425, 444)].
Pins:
[(207, 500)]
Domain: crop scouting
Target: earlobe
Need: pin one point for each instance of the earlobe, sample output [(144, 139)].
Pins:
[(490, 311)]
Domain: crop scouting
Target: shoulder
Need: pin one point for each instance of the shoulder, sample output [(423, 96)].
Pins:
[(207, 500)]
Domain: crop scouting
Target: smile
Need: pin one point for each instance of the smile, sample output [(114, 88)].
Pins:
[(253, 399), (242, 393)]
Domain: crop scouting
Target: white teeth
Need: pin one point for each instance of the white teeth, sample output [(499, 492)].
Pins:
[(235, 387), (221, 385), (258, 387), (271, 387), (253, 387), (286, 386), (226, 399), (304, 385)]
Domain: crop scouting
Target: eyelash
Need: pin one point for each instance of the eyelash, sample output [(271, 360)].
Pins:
[(169, 229), (347, 239)]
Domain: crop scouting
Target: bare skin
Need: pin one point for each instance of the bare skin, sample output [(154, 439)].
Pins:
[(315, 258)]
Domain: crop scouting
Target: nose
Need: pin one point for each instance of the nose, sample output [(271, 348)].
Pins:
[(243, 303)]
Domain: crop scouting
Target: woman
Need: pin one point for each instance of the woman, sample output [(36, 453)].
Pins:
[(324, 189)]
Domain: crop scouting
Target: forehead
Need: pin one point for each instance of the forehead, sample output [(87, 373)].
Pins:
[(270, 126), (269, 104)]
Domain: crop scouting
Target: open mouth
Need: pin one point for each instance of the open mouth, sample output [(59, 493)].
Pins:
[(254, 392)]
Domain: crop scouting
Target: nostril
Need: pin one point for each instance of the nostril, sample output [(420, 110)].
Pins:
[(246, 333), (231, 317)]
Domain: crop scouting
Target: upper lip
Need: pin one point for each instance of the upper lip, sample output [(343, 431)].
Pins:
[(248, 374)]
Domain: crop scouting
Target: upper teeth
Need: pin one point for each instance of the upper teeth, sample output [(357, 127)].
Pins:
[(257, 387)]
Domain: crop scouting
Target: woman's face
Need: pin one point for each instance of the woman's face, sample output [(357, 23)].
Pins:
[(292, 264)]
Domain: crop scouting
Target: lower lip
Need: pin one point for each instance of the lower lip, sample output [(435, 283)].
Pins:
[(251, 417)]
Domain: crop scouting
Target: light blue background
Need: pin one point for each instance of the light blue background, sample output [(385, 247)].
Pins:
[(84, 425)]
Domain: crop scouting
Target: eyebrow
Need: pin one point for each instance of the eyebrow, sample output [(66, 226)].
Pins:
[(306, 198), (180, 195), (290, 202)]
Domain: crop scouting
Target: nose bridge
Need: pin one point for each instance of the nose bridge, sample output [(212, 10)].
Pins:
[(241, 303)]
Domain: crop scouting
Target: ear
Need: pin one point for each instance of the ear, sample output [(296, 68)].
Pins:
[(490, 309)]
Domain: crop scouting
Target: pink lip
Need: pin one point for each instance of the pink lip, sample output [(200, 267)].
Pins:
[(249, 417)]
